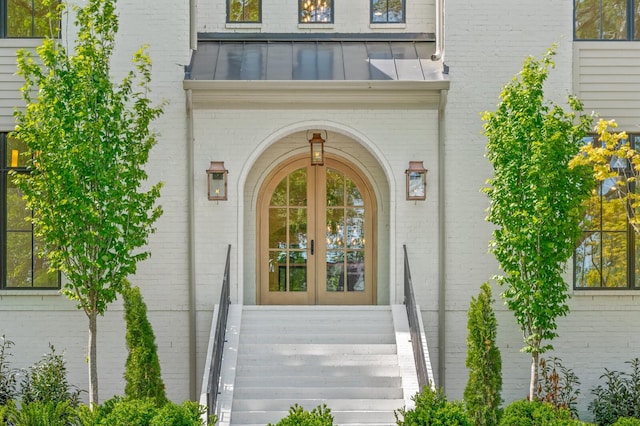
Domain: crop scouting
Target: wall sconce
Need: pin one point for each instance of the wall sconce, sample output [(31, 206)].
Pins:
[(416, 181), (317, 149), (217, 181)]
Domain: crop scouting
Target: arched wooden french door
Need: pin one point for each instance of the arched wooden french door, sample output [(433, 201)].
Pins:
[(316, 235)]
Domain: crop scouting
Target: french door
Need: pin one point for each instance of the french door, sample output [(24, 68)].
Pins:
[(316, 236)]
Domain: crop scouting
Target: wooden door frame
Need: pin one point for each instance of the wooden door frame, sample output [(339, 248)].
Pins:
[(266, 190)]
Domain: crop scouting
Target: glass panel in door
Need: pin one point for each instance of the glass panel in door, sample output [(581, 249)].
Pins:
[(288, 234)]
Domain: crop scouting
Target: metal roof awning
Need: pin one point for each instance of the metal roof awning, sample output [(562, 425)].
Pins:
[(256, 63)]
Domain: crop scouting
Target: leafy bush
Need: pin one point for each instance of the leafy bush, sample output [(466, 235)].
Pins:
[(7, 374), (627, 421), (482, 393), (130, 412), (39, 413), (620, 397), (188, 414), (558, 385), (536, 413), (145, 412), (142, 369), (319, 416), (432, 408), (46, 381)]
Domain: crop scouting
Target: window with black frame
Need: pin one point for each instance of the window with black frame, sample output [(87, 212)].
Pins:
[(244, 11), (21, 266), (315, 11), (387, 11), (27, 19), (606, 19), (608, 253)]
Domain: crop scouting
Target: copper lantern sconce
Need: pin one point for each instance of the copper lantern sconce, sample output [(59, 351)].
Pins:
[(217, 181), (317, 149), (416, 181)]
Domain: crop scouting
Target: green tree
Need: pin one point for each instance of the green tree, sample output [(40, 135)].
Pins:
[(536, 201), (482, 393), (142, 370), (88, 139)]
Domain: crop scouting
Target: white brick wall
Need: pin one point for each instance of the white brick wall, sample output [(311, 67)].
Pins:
[(486, 44)]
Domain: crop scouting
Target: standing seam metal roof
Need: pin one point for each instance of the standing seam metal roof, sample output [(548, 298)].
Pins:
[(324, 59)]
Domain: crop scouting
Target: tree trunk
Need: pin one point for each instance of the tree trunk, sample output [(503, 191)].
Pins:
[(533, 386), (93, 361)]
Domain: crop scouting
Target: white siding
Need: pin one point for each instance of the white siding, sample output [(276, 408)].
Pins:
[(10, 83), (606, 78)]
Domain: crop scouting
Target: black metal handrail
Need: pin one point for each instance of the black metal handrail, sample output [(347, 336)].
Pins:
[(219, 339), (414, 325)]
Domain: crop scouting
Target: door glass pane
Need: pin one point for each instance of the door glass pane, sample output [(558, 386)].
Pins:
[(277, 228), (335, 188), (298, 271), (279, 197), (277, 279), (355, 228), (354, 198), (335, 228), (298, 228), (298, 188), (355, 271), (335, 271)]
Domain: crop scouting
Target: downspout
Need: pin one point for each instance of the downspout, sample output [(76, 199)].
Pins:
[(441, 241), (439, 53), (193, 24), (193, 392)]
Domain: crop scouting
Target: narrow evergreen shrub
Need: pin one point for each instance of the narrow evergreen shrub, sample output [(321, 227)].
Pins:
[(7, 374), (620, 397), (432, 408), (482, 394), (319, 416), (46, 381), (142, 369)]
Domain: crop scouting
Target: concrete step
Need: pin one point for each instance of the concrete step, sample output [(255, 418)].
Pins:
[(256, 370), (320, 360), (340, 417), (318, 338), (342, 404), (283, 392), (317, 381), (315, 349)]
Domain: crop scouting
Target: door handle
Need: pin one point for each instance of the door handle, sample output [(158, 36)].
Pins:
[(313, 246)]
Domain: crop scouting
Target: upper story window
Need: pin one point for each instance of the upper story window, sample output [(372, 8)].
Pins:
[(608, 253), (26, 19), (315, 11), (21, 266), (607, 19), (387, 11), (239, 11)]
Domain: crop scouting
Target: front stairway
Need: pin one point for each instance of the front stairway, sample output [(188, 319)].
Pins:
[(351, 358)]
